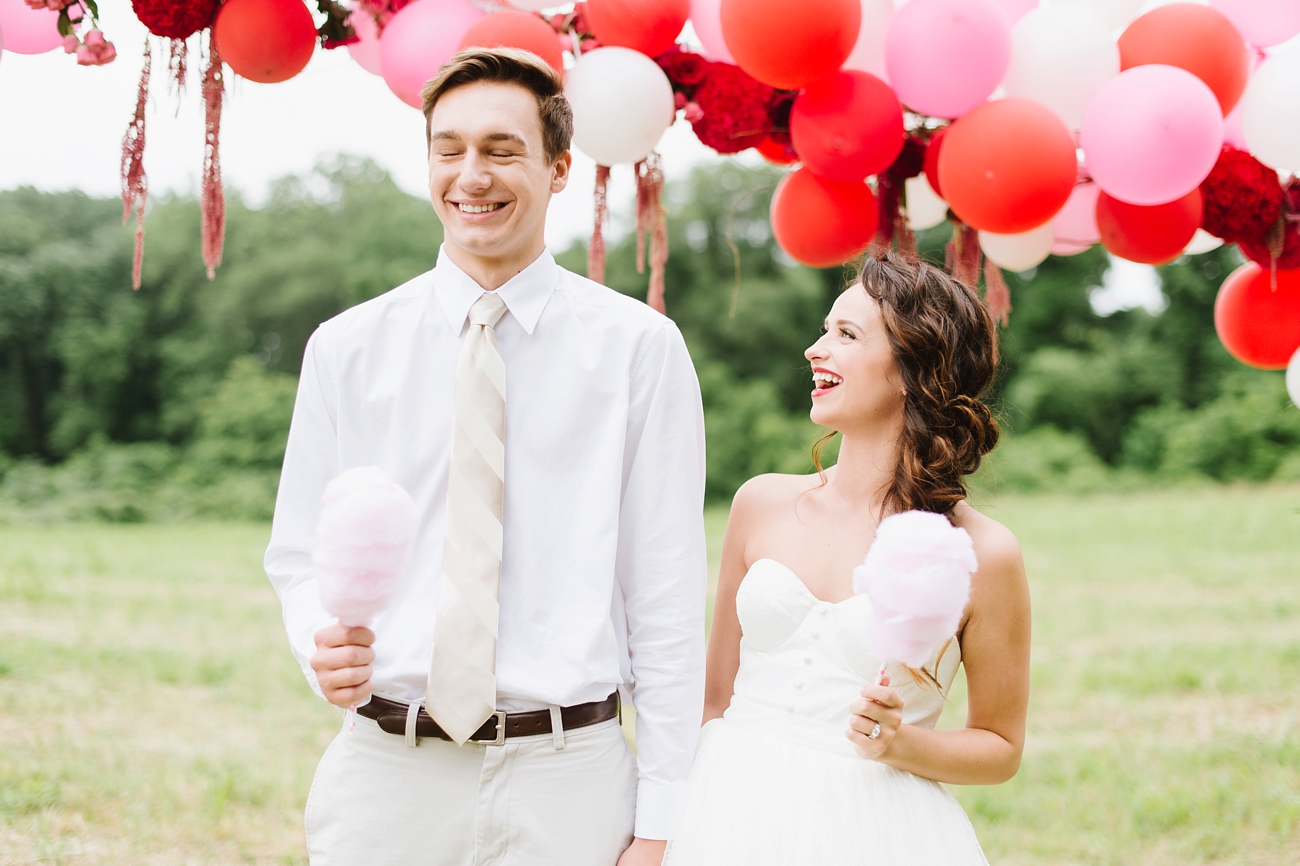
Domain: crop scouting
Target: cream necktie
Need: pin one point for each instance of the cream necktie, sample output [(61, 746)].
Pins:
[(462, 671)]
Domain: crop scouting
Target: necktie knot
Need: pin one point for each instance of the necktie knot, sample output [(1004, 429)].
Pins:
[(487, 310)]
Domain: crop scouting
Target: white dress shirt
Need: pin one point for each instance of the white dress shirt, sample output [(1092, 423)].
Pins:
[(603, 569)]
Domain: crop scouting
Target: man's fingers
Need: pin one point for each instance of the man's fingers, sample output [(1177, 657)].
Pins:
[(338, 635), (333, 658), (350, 696), (343, 678)]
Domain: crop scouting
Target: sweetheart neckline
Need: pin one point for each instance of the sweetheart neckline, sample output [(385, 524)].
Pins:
[(799, 580)]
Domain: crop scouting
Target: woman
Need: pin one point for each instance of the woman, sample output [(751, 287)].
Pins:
[(803, 758)]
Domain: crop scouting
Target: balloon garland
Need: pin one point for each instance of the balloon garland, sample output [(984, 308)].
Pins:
[(1155, 135)]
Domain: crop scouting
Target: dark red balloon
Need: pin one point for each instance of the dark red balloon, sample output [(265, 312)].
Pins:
[(648, 26), (511, 28), (1153, 234), (265, 40), (847, 126), (1258, 324), (788, 45), (1193, 37), (932, 159), (822, 223), (1007, 166)]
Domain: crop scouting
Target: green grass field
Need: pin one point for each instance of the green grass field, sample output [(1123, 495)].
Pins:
[(150, 711)]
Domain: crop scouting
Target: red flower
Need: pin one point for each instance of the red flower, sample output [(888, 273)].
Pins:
[(684, 69), (734, 109), (1257, 249), (1242, 197), (175, 19)]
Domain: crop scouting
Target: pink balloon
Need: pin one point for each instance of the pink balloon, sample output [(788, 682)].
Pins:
[(1262, 22), (706, 18), (28, 30), (944, 57), (365, 52), (1074, 228), (1151, 134), (418, 40)]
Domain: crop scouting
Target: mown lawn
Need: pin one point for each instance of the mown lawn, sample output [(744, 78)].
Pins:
[(150, 712)]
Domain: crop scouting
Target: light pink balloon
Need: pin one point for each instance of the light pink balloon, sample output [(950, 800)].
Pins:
[(1262, 22), (1074, 228), (944, 57), (1016, 9), (365, 52), (418, 40), (1151, 134), (28, 30), (706, 18)]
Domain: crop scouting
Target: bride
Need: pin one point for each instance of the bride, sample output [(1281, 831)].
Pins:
[(803, 759)]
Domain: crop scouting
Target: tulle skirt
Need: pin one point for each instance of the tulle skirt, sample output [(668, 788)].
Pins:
[(771, 791)]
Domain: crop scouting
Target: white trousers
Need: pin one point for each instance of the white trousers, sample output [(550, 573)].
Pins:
[(376, 801)]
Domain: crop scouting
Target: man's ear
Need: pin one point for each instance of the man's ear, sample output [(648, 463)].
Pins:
[(560, 172)]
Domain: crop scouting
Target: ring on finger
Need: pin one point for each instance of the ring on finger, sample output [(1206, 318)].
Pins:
[(875, 731)]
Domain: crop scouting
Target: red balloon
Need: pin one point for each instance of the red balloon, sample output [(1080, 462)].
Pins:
[(1153, 234), (1259, 325), (1007, 166), (511, 28), (648, 26), (776, 152), (1197, 38), (822, 223), (847, 126), (265, 40), (932, 159), (790, 45)]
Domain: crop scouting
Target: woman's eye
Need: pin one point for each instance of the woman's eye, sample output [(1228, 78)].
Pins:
[(846, 333)]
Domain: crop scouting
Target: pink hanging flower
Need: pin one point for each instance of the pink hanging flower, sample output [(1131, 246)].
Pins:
[(70, 43), (95, 50), (55, 5)]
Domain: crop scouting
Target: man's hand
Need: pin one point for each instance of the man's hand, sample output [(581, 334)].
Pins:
[(342, 663), (644, 852)]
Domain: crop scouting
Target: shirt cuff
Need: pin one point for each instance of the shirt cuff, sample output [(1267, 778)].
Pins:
[(656, 809)]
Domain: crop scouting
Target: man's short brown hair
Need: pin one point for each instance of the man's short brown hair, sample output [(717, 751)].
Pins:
[(508, 66)]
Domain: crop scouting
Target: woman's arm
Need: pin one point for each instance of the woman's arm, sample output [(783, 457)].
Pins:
[(995, 652)]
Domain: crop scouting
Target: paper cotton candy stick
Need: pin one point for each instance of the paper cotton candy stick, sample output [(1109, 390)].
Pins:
[(917, 576)]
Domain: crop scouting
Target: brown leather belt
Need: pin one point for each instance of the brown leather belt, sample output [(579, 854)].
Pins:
[(391, 717)]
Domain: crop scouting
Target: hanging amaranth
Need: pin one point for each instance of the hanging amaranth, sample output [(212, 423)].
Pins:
[(213, 201), (135, 186), (652, 222), (596, 249)]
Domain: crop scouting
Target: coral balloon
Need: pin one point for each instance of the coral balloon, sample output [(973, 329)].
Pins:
[(1258, 324), (513, 29), (1151, 134), (925, 209), (869, 51), (1262, 22), (1152, 235), (706, 20), (1018, 252), (1196, 38), (1008, 166), (648, 26), (420, 38), (265, 40), (822, 223), (1060, 56), (1074, 228), (847, 126), (27, 30), (944, 57), (365, 52), (1270, 112), (786, 48), (622, 103), (931, 164)]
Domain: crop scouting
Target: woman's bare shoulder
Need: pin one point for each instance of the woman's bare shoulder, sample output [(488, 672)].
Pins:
[(773, 490), (996, 547)]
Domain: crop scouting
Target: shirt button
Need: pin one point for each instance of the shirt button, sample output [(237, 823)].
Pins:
[(790, 709), (815, 635), (807, 660), (798, 684)]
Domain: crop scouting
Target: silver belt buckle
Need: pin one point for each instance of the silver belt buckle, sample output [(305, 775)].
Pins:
[(501, 731)]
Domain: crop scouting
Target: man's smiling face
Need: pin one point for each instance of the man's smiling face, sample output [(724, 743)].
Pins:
[(489, 178)]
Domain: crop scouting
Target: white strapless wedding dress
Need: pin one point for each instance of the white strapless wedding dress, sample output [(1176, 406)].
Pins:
[(775, 781)]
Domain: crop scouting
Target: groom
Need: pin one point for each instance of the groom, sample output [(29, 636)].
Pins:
[(551, 434)]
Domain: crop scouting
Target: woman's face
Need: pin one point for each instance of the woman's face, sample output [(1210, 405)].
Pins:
[(857, 387)]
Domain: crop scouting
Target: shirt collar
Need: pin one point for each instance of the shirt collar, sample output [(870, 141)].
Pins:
[(525, 294)]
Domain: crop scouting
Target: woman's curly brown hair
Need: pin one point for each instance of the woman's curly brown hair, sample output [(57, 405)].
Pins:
[(946, 348)]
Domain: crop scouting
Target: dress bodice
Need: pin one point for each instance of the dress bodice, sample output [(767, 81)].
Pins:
[(808, 659)]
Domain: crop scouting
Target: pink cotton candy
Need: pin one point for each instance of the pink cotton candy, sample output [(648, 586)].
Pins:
[(363, 538), (917, 577)]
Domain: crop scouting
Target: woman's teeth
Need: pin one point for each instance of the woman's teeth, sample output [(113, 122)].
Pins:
[(826, 380), (480, 208)]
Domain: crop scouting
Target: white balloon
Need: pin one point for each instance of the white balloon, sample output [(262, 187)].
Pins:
[(1060, 56), (1115, 14), (622, 103), (1270, 112), (869, 51), (534, 5), (706, 18), (1293, 378), (1018, 252), (1202, 242), (925, 209)]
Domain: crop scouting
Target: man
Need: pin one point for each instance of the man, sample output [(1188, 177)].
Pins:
[(551, 434)]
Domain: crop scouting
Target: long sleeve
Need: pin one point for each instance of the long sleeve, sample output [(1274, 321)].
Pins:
[(310, 461), (662, 573)]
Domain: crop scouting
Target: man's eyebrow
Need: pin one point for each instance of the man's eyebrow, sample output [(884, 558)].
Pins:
[(445, 135), (506, 136)]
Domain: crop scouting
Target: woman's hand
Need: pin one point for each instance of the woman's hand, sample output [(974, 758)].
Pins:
[(879, 705)]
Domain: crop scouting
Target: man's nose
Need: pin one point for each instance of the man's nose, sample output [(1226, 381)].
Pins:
[(475, 171)]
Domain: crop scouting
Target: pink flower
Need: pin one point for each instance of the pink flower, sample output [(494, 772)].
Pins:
[(95, 51), (94, 38), (70, 44), (56, 5), (694, 114)]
